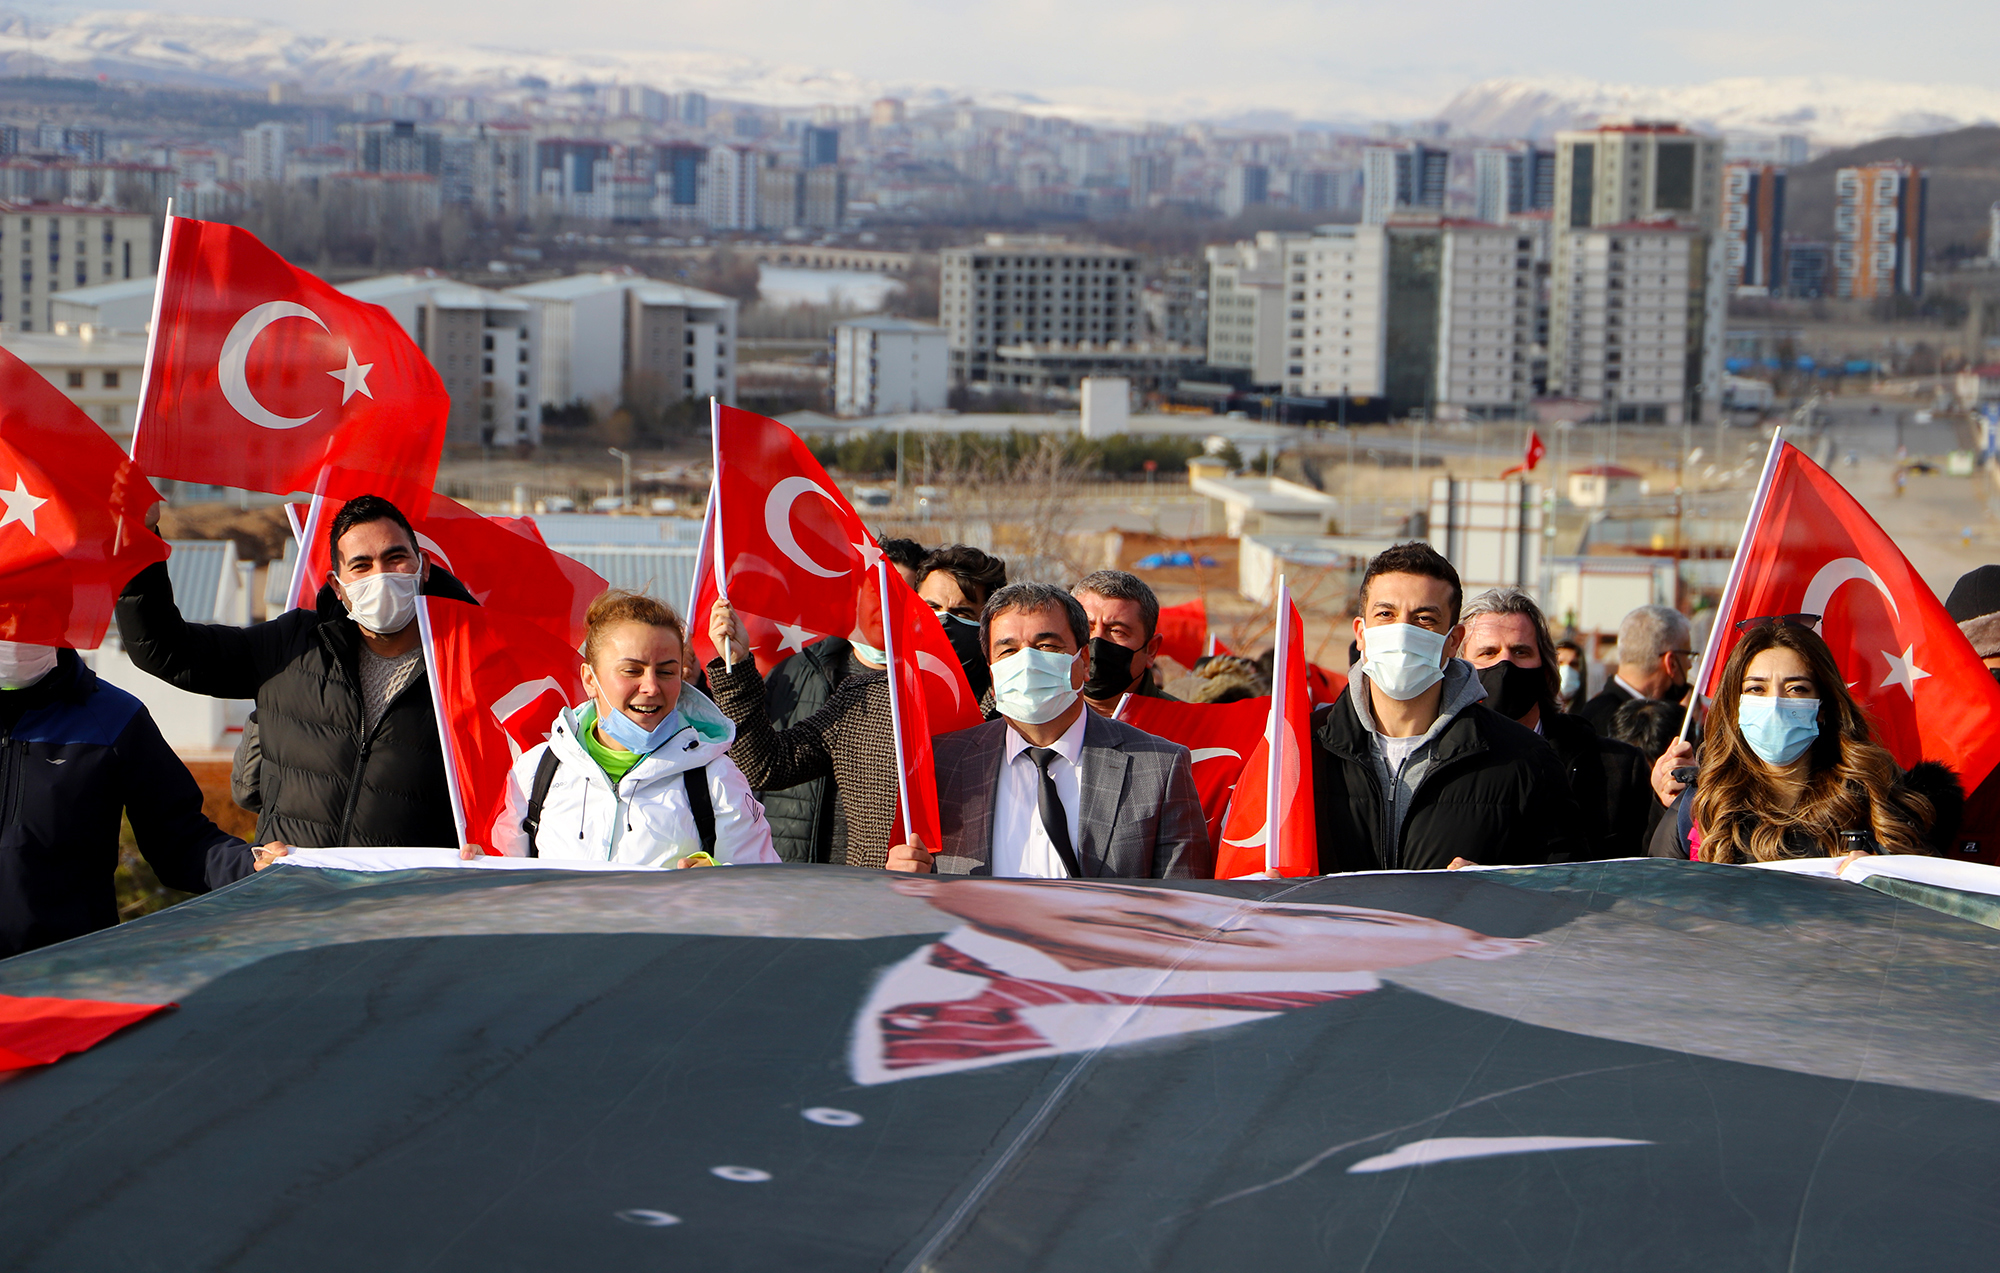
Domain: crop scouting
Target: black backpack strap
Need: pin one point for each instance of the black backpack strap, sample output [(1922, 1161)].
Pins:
[(538, 795), (703, 809)]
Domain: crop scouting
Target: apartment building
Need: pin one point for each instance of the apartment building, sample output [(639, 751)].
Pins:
[(731, 187), (1406, 175), (883, 365), (600, 339), (1753, 227), (264, 150), (1878, 227), (96, 368), (1246, 307), (48, 248), (1510, 180), (481, 342), (1015, 288), (1644, 310), (1486, 319)]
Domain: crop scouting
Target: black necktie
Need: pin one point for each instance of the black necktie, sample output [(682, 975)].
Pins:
[(1055, 821)]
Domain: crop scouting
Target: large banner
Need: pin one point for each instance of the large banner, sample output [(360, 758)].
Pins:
[(1625, 1065)]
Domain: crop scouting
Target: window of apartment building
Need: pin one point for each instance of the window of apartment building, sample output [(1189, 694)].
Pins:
[(110, 380), (76, 380)]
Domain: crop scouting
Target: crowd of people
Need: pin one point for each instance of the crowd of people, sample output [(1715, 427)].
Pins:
[(1465, 735)]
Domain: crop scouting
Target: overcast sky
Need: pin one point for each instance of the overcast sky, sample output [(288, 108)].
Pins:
[(1387, 58)]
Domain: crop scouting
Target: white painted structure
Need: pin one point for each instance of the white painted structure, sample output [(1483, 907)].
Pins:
[(1107, 406), (883, 364), (597, 333), (1490, 530)]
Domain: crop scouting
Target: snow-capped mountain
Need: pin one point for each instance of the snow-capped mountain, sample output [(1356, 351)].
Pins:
[(1831, 111)]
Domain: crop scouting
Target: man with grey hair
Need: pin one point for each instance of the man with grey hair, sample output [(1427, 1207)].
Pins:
[(1507, 641), (1049, 790), (1124, 638), (1654, 659)]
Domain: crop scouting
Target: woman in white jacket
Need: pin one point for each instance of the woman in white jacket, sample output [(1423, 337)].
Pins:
[(640, 773)]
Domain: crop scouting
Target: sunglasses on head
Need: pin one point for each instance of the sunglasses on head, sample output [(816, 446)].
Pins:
[(1806, 621)]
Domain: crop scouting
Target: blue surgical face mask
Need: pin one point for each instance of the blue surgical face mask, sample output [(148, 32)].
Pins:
[(1034, 686), (633, 736), (869, 654), (1778, 729)]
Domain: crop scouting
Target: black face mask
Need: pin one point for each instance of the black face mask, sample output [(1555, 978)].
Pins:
[(1513, 690), (1675, 693), (1996, 674), (963, 634), (1111, 671)]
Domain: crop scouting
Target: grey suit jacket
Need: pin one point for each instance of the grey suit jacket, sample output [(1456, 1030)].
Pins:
[(1141, 815)]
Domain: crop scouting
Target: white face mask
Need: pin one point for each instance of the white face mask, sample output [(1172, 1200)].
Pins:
[(385, 602), (23, 665), (1401, 659), (1571, 677), (1034, 686)]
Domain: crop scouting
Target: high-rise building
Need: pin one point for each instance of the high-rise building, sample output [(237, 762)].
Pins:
[(819, 147), (574, 178), (680, 172), (887, 112), (1406, 175), (1322, 189), (1642, 315), (1637, 177), (1247, 186), (823, 198), (1993, 233), (481, 343), (264, 149), (1878, 226), (780, 194), (1247, 306), (398, 146), (604, 338), (1753, 226), (67, 247), (503, 177), (1152, 178), (731, 186), (692, 109), (1510, 180), (883, 365), (1808, 269), (1012, 289)]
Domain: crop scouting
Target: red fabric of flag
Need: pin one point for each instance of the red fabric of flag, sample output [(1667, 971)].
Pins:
[(1814, 550), (1269, 829), (906, 620), (259, 374), (38, 1031), (1220, 738), (1529, 457), (72, 516), (1182, 630), (497, 680)]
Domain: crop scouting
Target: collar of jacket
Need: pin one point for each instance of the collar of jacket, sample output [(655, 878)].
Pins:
[(1346, 733), (707, 735), (69, 681)]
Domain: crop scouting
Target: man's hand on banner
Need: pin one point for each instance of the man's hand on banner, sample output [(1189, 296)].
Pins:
[(912, 857), (727, 632)]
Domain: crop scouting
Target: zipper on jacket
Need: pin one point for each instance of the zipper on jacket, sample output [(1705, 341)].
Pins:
[(10, 778), (367, 746)]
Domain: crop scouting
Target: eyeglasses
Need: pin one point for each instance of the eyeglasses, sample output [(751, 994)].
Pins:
[(1807, 621)]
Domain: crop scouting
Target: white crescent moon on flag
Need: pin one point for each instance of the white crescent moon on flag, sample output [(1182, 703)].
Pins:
[(230, 368), (1211, 753), (437, 554), (1837, 572), (936, 667), (778, 522), (1254, 841), (522, 695)]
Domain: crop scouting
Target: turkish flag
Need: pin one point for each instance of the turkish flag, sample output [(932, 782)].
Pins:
[(72, 516), (1529, 458), (258, 374), (502, 561), (1182, 629), (1811, 549), (1270, 829), (768, 646), (905, 621), (1219, 737), (497, 681), (38, 1031)]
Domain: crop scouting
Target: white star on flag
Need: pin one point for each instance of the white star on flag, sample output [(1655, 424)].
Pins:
[(353, 378), (796, 637), (1904, 671), (20, 504), (870, 554)]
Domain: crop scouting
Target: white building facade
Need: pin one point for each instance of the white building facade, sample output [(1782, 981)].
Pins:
[(1643, 321), (883, 365), (481, 342), (601, 338)]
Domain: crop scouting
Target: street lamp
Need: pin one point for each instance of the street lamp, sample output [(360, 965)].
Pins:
[(625, 501)]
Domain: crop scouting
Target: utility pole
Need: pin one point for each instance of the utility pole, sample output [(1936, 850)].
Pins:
[(625, 462)]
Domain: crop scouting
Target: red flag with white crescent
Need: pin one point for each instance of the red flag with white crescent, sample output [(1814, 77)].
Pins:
[(1530, 456), (497, 681), (1270, 828), (1812, 549), (72, 516), (1220, 738), (905, 619), (258, 375)]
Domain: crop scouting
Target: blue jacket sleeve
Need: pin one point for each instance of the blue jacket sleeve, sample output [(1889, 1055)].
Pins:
[(163, 802)]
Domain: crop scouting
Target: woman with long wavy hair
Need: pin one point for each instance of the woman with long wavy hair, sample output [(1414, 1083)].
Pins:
[(1791, 769)]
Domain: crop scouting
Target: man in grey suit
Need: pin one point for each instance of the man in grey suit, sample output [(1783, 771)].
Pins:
[(1050, 790)]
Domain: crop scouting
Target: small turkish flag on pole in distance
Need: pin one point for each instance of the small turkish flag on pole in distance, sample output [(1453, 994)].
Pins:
[(1810, 548), (1270, 830), (72, 516), (904, 619), (1183, 629), (1530, 457), (1220, 738), (258, 374), (497, 682)]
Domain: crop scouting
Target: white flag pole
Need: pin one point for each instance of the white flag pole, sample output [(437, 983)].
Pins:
[(1725, 608), (153, 326), (715, 512), (1274, 730), (895, 701), (445, 734)]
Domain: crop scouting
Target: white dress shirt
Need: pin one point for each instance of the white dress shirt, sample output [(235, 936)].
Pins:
[(1068, 1027), (1021, 846)]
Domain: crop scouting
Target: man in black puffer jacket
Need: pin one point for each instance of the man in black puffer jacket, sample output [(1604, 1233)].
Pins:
[(348, 735)]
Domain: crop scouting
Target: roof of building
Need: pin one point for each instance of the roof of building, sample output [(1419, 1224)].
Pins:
[(889, 323), (123, 289), (1324, 550), (442, 292), (652, 291), (665, 571), (582, 529), (64, 210), (101, 348), (1604, 470), (1264, 494), (196, 567)]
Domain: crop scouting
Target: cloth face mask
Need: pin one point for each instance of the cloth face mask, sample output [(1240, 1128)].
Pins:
[(1401, 659), (1512, 689), (23, 665), (1033, 686), (384, 603), (1571, 677), (1110, 669), (1778, 729)]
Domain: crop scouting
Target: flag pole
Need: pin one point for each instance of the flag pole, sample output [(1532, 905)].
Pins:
[(301, 591), (1724, 607), (153, 326), (895, 701), (445, 731), (1274, 730), (715, 510)]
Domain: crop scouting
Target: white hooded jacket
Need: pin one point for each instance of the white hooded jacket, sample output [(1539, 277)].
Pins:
[(645, 819)]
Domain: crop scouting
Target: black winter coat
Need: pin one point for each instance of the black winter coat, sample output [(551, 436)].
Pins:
[(1494, 795), (1612, 784), (75, 753), (321, 783), (806, 825)]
